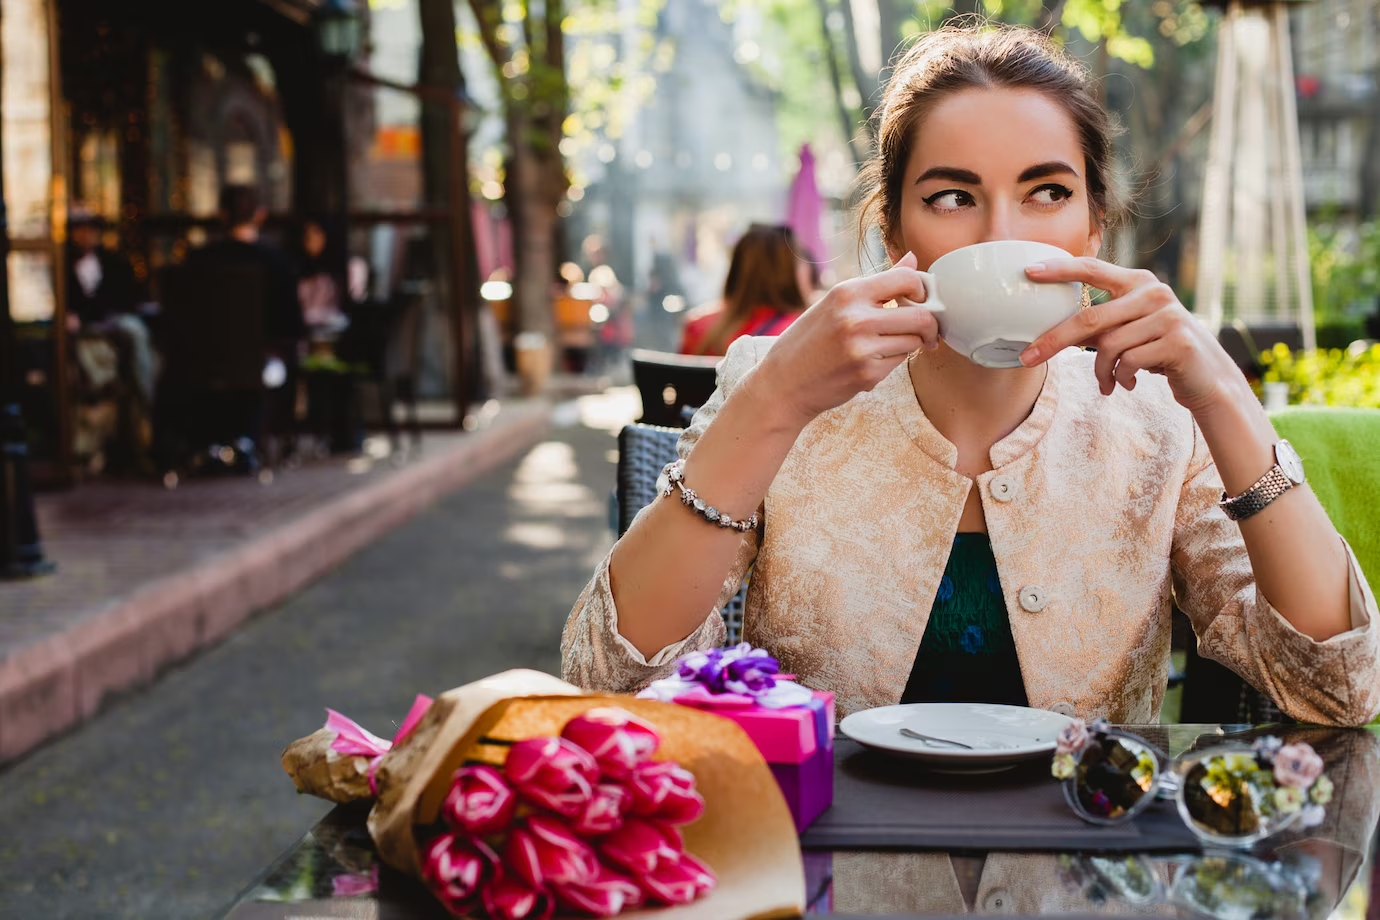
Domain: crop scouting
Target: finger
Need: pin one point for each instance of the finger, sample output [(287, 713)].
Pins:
[(902, 282), (1112, 344), (890, 346), (1114, 279), (1103, 367), (1085, 326), (902, 321), (1153, 356)]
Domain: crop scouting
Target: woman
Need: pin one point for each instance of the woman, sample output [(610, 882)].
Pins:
[(907, 494), (318, 289), (761, 293)]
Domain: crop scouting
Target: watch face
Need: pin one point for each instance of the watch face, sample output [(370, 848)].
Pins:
[(1289, 461)]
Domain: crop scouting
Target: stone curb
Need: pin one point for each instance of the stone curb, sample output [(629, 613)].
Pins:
[(63, 679)]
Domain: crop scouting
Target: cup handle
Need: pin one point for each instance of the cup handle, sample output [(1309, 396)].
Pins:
[(932, 301)]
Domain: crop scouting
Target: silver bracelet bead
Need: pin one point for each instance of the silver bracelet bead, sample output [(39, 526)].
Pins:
[(675, 481)]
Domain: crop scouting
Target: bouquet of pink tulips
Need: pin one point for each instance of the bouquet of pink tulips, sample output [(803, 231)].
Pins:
[(586, 820), (520, 798)]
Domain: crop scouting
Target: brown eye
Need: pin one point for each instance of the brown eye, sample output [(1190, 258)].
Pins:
[(949, 200), (1052, 194)]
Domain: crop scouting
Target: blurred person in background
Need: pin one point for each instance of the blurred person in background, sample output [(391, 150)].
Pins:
[(111, 347), (762, 294), (103, 297), (615, 321), (318, 287), (284, 327)]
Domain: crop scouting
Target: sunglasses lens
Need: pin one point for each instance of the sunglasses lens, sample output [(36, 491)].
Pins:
[(1218, 801), (1231, 886), (1113, 775)]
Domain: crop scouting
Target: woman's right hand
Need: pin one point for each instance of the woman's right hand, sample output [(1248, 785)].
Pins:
[(847, 343)]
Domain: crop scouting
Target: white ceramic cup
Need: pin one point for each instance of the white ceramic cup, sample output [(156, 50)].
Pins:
[(988, 310)]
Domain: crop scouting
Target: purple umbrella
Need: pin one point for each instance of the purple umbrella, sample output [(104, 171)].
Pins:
[(804, 205)]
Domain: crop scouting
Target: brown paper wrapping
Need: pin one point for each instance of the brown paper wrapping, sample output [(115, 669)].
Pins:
[(745, 835), (317, 770)]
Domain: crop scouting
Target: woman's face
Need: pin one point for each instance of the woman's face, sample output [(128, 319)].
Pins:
[(995, 164)]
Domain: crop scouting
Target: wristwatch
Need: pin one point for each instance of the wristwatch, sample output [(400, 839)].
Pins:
[(1283, 476)]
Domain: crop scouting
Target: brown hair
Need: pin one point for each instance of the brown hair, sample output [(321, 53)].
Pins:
[(982, 56), (239, 205), (760, 274)]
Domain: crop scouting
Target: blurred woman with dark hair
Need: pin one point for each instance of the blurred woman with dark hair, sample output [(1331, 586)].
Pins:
[(762, 293)]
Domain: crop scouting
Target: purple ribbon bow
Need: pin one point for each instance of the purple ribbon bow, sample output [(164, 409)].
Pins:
[(741, 669)]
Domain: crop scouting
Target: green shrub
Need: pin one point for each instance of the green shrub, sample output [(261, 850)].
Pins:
[(1339, 332), (1345, 267), (1326, 377)]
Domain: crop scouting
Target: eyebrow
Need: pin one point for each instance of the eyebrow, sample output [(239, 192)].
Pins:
[(1041, 170), (951, 173), (968, 177)]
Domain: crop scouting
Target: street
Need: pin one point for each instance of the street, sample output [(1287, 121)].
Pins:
[(172, 800)]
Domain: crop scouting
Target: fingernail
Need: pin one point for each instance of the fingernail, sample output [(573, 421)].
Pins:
[(1030, 357), (1036, 268)]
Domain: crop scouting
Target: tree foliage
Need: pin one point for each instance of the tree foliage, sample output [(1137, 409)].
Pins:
[(802, 41), (609, 67)]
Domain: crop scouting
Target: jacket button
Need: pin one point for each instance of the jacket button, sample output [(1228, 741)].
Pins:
[(1063, 708), (998, 901), (1003, 488), (1033, 598)]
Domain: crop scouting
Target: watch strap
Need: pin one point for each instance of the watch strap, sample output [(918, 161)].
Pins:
[(1255, 499)]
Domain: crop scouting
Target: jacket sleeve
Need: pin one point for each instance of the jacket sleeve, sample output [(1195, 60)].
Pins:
[(593, 654), (1335, 682)]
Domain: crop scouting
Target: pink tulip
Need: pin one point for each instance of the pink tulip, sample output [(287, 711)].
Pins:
[(455, 868), (665, 791), (509, 898), (618, 740), (609, 894), (359, 885), (641, 846), (604, 813), (680, 882), (545, 852), (552, 773), (479, 801)]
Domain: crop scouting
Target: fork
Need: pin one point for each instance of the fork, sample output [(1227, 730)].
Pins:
[(909, 733)]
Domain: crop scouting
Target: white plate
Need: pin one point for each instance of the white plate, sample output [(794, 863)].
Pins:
[(999, 735)]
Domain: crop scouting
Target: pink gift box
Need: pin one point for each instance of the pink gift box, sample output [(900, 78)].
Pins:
[(797, 742), (788, 735)]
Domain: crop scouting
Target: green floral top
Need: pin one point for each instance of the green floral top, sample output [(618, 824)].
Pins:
[(967, 654)]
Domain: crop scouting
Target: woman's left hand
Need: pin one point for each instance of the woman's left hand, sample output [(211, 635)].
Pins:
[(1143, 327)]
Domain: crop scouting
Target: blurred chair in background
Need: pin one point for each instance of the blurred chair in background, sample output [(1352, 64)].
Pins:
[(669, 384)]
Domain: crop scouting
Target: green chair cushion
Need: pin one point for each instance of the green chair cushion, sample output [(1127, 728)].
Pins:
[(1340, 448)]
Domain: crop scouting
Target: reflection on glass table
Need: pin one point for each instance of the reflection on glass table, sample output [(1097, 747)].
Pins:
[(1325, 871)]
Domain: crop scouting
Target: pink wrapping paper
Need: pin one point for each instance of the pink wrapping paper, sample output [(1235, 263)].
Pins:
[(786, 736)]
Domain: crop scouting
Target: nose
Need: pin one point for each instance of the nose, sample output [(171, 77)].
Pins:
[(1001, 223)]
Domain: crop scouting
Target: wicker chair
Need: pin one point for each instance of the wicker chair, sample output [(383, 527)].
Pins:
[(670, 384), (642, 452)]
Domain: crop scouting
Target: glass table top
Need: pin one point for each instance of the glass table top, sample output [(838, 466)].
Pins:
[(1329, 871)]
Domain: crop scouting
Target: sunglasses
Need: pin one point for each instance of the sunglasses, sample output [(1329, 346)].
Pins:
[(1228, 885), (1229, 796)]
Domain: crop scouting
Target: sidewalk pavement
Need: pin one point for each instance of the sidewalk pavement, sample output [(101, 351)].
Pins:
[(147, 576)]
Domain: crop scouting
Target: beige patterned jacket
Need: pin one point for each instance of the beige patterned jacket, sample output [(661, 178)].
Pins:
[(1100, 511)]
